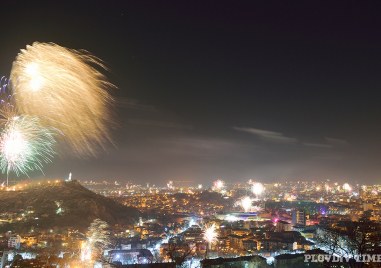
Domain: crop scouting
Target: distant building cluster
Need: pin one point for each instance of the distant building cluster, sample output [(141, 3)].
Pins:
[(268, 225)]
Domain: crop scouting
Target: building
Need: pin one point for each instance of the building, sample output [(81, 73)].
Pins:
[(299, 217), (3, 259), (243, 261), (308, 234), (14, 241), (133, 256), (29, 241), (236, 241), (250, 244), (289, 260), (193, 234), (367, 206), (283, 226)]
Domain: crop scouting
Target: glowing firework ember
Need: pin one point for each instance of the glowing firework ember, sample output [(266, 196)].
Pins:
[(257, 188), (218, 185), (347, 187), (210, 234), (327, 188), (170, 185), (246, 203), (25, 145), (85, 252), (66, 91)]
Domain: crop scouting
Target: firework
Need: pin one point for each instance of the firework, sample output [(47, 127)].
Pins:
[(210, 234), (327, 188), (218, 185), (98, 237), (347, 187), (25, 145), (170, 185), (257, 188), (65, 89), (3, 84), (86, 251), (7, 110), (246, 203)]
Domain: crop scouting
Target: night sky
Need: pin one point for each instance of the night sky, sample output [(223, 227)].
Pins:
[(229, 89)]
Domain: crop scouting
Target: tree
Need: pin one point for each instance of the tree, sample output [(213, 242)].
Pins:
[(351, 240), (328, 239), (178, 253), (17, 259)]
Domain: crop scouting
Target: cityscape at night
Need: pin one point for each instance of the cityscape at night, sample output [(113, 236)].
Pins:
[(190, 134)]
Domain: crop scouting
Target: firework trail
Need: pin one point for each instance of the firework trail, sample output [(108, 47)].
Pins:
[(98, 239), (64, 88)]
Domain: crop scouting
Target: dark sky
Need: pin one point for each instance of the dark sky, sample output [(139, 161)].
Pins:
[(229, 89)]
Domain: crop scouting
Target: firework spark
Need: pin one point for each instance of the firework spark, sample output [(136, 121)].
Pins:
[(246, 203), (25, 145), (86, 251), (98, 237), (64, 88), (347, 187), (7, 109), (218, 185), (210, 234), (257, 188)]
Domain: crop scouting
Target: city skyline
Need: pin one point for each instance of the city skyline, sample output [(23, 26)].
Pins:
[(255, 90)]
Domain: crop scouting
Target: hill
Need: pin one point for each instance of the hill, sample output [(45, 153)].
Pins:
[(59, 204)]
